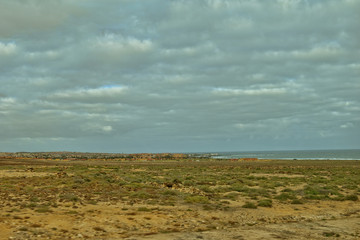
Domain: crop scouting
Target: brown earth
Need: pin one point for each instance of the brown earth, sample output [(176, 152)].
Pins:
[(318, 219), (323, 220)]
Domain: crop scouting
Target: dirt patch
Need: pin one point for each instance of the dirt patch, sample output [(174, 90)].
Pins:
[(282, 175), (22, 173), (139, 170), (120, 221)]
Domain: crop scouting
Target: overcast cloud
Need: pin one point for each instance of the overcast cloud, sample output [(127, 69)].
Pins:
[(179, 75)]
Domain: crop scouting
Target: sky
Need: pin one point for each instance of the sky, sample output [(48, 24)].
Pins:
[(179, 75)]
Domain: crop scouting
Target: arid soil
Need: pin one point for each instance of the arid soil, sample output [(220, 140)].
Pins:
[(26, 212), (117, 221)]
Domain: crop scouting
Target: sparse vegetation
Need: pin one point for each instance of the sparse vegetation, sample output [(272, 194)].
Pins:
[(249, 205), (139, 188), (265, 203)]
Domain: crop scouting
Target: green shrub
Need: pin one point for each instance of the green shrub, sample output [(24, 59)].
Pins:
[(297, 201), (249, 205), (144, 209), (43, 209), (140, 194), (265, 203), (258, 192), (197, 199), (169, 192), (188, 183), (92, 202), (31, 205), (240, 188), (72, 212), (206, 189), (288, 190), (321, 192), (352, 197), (285, 196), (69, 197), (331, 234), (34, 199), (231, 195)]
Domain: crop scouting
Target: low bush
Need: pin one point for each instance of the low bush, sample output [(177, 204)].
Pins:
[(297, 201), (285, 196), (265, 203), (249, 205), (352, 197), (197, 199)]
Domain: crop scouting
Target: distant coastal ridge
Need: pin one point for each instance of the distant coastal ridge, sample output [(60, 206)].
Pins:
[(341, 154)]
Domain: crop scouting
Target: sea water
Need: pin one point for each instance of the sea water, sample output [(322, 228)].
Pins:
[(353, 154)]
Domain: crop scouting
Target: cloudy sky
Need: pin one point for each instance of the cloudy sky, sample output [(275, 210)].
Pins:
[(179, 75)]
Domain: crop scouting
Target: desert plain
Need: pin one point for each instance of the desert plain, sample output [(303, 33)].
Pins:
[(179, 199)]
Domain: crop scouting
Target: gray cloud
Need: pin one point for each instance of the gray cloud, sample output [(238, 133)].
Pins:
[(209, 75), (19, 18)]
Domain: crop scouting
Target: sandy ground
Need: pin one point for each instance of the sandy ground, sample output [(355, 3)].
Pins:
[(25, 173), (120, 220), (323, 220)]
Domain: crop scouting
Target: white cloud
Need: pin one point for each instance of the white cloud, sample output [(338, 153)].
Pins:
[(118, 44), (107, 128), (179, 73), (7, 105), (43, 56), (259, 91), (104, 92), (322, 52), (238, 24), (7, 100), (347, 125), (7, 48)]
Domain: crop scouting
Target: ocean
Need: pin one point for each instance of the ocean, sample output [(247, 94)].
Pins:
[(353, 154)]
